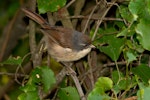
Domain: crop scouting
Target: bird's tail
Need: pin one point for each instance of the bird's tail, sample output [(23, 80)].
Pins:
[(37, 18)]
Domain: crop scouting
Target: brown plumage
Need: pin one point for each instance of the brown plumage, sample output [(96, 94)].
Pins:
[(67, 42)]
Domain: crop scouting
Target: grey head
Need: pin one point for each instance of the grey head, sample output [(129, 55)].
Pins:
[(80, 41)]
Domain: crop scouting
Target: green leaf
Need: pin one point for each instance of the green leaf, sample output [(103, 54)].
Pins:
[(113, 46), (105, 83), (127, 32), (13, 61), (40, 75), (121, 83), (148, 5), (115, 76), (143, 94), (28, 88), (123, 32), (116, 89), (68, 93), (136, 7), (50, 5), (133, 47), (47, 77), (131, 56), (35, 77), (140, 8), (96, 94), (29, 96), (125, 13), (143, 29), (143, 71)]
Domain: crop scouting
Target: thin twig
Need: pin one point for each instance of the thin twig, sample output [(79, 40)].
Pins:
[(91, 73), (90, 17), (96, 18), (32, 38), (76, 81), (55, 95), (70, 3), (13, 74), (105, 65), (20, 67), (100, 21)]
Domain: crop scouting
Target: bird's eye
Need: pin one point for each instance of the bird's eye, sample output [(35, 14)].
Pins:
[(84, 45)]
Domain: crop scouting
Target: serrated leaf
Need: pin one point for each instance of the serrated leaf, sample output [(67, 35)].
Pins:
[(143, 31), (13, 61), (68, 93), (113, 46), (143, 71), (47, 77), (50, 5)]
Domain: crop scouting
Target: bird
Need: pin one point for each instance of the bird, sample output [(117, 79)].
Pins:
[(63, 44)]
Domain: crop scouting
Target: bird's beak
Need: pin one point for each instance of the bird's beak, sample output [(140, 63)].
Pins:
[(92, 46)]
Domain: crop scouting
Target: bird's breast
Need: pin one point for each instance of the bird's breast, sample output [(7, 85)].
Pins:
[(66, 54)]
